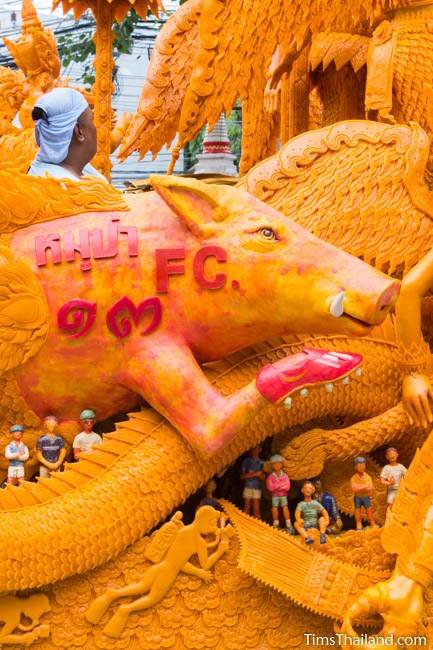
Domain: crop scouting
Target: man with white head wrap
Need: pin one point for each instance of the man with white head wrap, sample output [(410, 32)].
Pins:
[(66, 136)]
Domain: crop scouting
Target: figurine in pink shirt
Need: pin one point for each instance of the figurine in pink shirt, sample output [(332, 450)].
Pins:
[(278, 484)]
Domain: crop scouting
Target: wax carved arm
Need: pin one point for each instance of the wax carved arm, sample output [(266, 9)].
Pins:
[(196, 571), (414, 353), (398, 600), (207, 561), (216, 540), (177, 387)]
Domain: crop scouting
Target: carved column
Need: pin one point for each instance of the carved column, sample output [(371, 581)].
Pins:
[(294, 98), (103, 86)]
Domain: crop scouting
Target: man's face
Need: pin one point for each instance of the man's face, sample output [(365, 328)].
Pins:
[(308, 489), (17, 436), (277, 467), (391, 455), (360, 467), (88, 131), (87, 425), (50, 424)]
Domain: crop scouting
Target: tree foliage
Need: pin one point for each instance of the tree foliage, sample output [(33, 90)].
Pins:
[(79, 47)]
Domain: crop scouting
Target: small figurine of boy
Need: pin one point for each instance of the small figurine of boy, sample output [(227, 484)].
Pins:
[(391, 475), (329, 503), (252, 473), (310, 513), (209, 499), (17, 453), (278, 484), (362, 488), (87, 439), (51, 450)]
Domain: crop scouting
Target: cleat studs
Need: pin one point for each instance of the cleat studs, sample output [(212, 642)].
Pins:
[(345, 381), (303, 392), (329, 388), (288, 403), (358, 372)]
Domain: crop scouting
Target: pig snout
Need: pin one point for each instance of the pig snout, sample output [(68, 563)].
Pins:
[(372, 307), (385, 302)]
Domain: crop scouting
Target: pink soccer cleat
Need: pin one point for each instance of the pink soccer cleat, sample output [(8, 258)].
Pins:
[(311, 367)]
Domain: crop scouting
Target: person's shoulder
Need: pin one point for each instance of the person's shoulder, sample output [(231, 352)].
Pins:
[(50, 170), (89, 170)]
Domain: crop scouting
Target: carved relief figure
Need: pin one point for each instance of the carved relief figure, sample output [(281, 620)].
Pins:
[(12, 609), (185, 542)]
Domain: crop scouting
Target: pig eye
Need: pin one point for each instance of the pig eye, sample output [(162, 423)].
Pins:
[(268, 234)]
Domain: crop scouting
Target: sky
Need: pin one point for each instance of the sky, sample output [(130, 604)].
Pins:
[(41, 5)]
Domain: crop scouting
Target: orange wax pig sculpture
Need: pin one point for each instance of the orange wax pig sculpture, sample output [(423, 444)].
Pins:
[(197, 272)]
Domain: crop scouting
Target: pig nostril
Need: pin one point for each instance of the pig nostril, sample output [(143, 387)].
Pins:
[(387, 298)]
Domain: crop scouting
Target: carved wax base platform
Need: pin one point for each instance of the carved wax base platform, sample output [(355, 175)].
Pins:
[(234, 610)]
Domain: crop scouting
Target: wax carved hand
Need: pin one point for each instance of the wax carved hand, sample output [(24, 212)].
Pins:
[(417, 393), (398, 600)]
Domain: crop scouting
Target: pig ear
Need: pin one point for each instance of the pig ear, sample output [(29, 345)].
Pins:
[(198, 204)]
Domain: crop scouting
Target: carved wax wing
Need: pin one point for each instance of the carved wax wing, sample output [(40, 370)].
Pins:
[(237, 41)]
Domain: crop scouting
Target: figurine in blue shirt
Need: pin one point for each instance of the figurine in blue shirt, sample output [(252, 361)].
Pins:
[(330, 505)]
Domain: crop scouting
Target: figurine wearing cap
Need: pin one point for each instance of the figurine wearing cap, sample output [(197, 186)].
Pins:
[(87, 439), (278, 484), (17, 453), (362, 488)]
